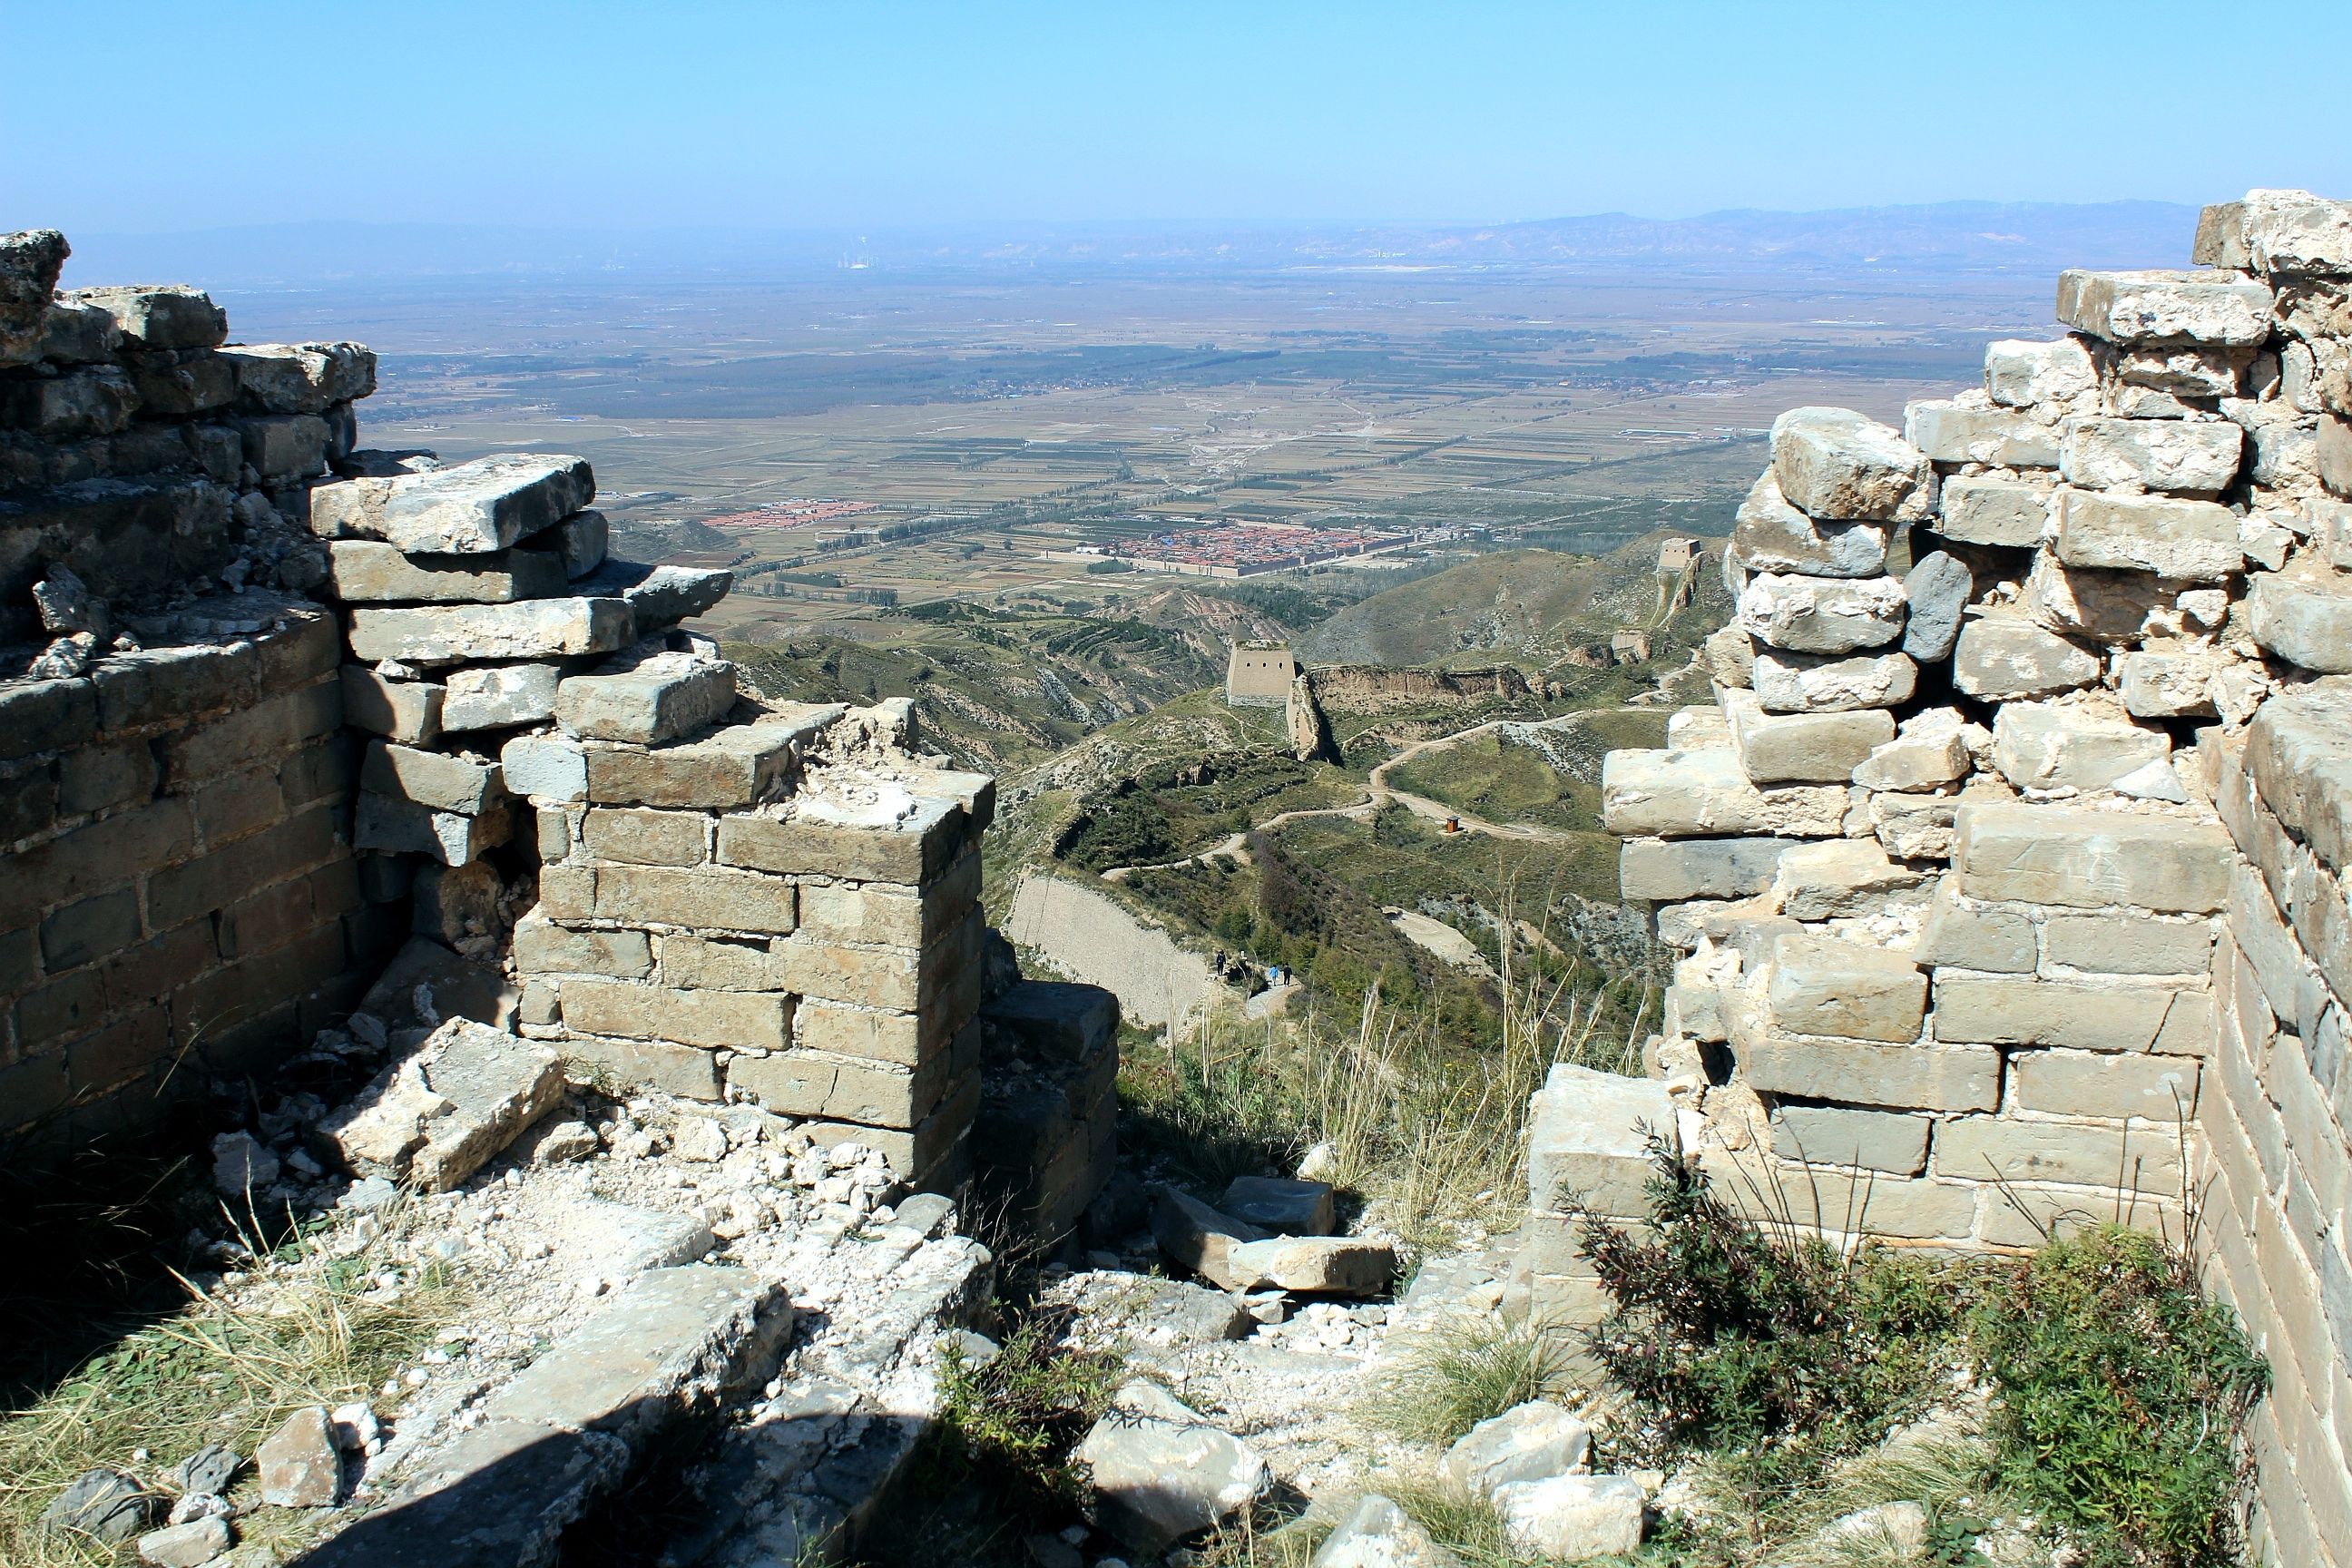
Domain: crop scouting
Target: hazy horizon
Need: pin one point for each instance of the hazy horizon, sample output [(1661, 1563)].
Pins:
[(857, 120), (1932, 236)]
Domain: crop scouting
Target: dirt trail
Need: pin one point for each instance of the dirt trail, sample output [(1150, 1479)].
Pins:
[(1382, 796)]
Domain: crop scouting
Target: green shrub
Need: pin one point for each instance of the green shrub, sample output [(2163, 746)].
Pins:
[(2122, 1393), (1765, 1342), (1008, 1424)]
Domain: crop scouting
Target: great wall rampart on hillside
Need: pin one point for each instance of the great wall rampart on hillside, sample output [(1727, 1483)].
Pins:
[(2008, 890)]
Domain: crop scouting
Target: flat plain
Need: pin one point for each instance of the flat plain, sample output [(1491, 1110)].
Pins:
[(981, 417)]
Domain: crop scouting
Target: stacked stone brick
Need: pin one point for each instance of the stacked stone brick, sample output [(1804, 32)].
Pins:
[(780, 907), (177, 893), (1047, 1136), (2009, 891), (472, 595), (219, 817)]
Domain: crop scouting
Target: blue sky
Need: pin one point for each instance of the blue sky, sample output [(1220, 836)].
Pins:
[(141, 117)]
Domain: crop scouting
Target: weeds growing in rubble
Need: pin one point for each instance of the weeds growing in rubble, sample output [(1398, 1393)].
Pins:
[(1765, 1342), (311, 1326), (2087, 1388), (2122, 1393), (1429, 1134), (1009, 1424), (1471, 1372)]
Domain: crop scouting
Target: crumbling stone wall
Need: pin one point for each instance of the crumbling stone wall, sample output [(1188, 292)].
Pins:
[(178, 895), (273, 706), (2007, 888)]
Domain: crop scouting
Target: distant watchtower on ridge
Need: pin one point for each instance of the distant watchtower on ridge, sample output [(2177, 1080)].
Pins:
[(1258, 675)]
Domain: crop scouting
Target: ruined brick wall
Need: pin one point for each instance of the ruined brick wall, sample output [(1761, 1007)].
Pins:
[(2007, 888), (2278, 1102), (178, 896), (294, 733)]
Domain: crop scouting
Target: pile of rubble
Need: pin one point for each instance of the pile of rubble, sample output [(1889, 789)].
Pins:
[(627, 1274)]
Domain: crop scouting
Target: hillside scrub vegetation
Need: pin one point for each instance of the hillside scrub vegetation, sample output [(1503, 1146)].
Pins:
[(1425, 1135)]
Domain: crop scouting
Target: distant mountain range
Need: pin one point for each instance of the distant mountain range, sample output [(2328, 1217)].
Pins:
[(1947, 236)]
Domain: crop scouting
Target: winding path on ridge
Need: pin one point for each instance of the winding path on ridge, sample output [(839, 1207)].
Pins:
[(1384, 795)]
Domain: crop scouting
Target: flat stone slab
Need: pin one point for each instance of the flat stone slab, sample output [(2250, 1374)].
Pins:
[(2299, 756), (1060, 1020), (2160, 307), (1888, 1140), (301, 378), (1707, 794), (370, 571), (1789, 682), (1820, 986), (498, 696), (2077, 744), (2277, 231), (159, 316), (1950, 431), (472, 507), (1280, 1205), (1771, 535), (1573, 1518), (2200, 458), (658, 596), (2305, 618), (569, 1428), (1817, 614), (442, 1113), (734, 765), (2020, 373), (1987, 510), (435, 779), (1836, 877), (1159, 1472), (527, 628), (1803, 748), (651, 700), (1668, 870), (2007, 656), (1313, 1265), (2089, 859), (614, 1240), (1529, 1442), (674, 1339)]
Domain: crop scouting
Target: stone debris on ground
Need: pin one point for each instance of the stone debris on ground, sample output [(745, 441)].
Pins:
[(301, 1465), (103, 1504), (1529, 1442), (1379, 1534), (1158, 1472)]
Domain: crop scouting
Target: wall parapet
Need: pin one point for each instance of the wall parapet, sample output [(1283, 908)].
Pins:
[(2007, 888)]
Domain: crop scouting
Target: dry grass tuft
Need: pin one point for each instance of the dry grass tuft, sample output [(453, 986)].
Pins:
[(1473, 1371), (310, 1326), (1428, 1133)]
